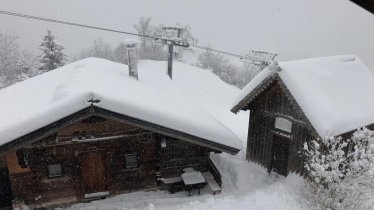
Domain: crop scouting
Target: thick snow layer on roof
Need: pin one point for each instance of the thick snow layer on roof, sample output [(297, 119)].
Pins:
[(203, 88), (255, 82), (44, 99), (335, 93)]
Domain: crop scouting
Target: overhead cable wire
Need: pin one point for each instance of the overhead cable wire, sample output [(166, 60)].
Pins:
[(110, 30)]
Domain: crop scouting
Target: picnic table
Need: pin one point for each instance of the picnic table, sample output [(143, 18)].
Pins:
[(193, 180)]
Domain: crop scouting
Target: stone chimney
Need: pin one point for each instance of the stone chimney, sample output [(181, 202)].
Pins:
[(132, 56)]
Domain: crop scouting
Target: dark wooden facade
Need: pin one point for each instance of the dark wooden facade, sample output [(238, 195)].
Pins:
[(92, 154), (270, 146), (277, 129)]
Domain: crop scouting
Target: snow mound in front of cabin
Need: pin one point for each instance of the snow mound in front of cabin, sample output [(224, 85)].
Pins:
[(246, 186), (39, 101)]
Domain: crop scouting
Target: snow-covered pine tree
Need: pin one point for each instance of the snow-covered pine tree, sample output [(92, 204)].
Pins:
[(341, 172), (52, 56)]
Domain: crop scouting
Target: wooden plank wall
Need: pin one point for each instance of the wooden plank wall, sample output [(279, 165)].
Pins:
[(179, 155), (30, 183), (271, 104), (3, 162)]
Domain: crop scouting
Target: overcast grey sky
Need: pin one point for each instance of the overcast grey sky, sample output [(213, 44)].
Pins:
[(293, 28)]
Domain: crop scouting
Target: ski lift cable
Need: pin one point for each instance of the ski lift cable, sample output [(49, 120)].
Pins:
[(121, 32)]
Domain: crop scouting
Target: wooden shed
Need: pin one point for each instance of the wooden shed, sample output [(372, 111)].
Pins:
[(64, 140), (294, 102)]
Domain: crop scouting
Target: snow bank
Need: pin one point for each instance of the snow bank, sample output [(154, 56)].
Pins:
[(44, 99), (335, 93)]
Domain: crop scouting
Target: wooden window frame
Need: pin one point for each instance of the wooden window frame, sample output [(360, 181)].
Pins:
[(125, 161), (52, 177)]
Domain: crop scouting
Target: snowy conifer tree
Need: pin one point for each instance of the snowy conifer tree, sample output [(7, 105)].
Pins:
[(52, 56), (341, 173)]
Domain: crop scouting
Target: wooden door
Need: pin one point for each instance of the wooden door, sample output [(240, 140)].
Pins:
[(93, 172), (281, 148)]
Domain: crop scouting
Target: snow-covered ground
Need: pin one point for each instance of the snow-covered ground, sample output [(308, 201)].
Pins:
[(245, 185)]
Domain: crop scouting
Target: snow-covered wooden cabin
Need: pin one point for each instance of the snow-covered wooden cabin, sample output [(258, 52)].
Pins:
[(296, 101), (88, 130)]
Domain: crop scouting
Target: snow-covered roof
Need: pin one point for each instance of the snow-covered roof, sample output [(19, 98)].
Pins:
[(42, 100), (335, 93)]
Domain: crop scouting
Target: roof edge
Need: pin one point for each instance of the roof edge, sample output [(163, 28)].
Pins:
[(51, 128), (254, 93)]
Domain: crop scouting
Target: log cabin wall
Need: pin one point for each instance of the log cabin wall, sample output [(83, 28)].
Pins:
[(32, 184), (272, 104), (176, 155), (3, 162), (97, 147)]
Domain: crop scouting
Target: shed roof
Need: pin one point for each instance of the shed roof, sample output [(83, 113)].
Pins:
[(37, 102), (335, 93)]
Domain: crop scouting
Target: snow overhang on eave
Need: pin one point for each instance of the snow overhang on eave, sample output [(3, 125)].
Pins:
[(254, 93), (100, 112)]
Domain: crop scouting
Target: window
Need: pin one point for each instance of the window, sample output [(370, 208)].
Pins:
[(131, 161), (54, 170), (23, 158)]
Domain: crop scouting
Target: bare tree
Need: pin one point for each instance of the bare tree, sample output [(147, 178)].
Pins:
[(210, 60), (99, 49), (186, 36), (230, 73), (150, 48), (28, 64), (8, 58), (120, 54)]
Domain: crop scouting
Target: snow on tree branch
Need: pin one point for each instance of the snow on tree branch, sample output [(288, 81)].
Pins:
[(341, 172), (52, 56)]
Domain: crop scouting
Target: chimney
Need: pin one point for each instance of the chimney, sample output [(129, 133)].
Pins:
[(132, 57)]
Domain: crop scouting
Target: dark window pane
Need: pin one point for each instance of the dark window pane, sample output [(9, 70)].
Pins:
[(54, 170), (131, 161)]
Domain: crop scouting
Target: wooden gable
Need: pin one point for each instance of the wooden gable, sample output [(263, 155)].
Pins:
[(273, 105)]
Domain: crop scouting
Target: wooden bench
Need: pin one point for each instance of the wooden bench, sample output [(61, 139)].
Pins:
[(213, 185), (173, 184), (172, 180)]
